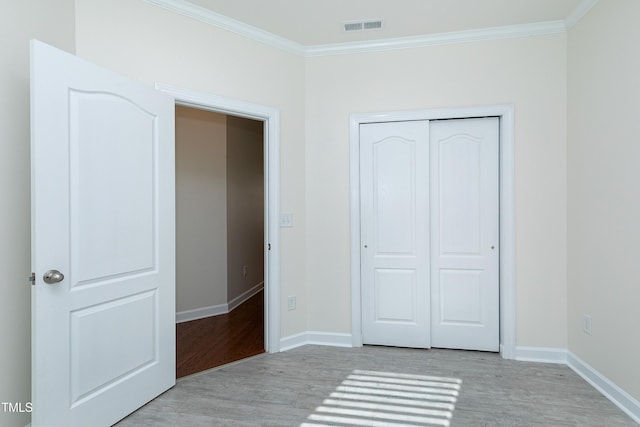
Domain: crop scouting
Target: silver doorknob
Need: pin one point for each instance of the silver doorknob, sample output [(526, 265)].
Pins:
[(53, 276)]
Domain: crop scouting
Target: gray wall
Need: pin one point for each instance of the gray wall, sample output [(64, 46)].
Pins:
[(201, 209), (245, 204), (219, 207)]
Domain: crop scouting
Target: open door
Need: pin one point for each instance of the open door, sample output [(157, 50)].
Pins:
[(103, 242)]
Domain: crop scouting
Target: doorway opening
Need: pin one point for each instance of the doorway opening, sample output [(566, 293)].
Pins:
[(219, 239), (270, 119)]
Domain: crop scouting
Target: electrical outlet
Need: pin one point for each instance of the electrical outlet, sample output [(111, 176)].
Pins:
[(291, 303), (586, 324)]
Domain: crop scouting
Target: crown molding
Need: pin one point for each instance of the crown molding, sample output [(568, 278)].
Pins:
[(207, 16), (495, 33), (186, 8), (579, 12)]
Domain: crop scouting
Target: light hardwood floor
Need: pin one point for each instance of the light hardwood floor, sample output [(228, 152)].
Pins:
[(381, 386)]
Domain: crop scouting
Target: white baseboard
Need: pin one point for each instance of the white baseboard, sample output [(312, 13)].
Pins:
[(315, 338), (611, 391), (215, 310), (541, 355), (201, 313), (245, 296), (293, 341)]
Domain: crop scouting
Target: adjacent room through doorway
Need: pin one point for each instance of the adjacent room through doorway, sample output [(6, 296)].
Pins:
[(219, 239)]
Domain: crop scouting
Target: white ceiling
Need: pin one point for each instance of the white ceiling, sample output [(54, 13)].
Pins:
[(318, 22)]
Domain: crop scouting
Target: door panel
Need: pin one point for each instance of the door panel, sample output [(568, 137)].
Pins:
[(460, 297), (95, 329), (464, 226), (459, 168), (395, 295), (394, 232), (103, 215), (394, 186), (112, 213)]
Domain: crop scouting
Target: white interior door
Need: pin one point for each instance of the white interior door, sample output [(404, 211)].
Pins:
[(103, 336), (394, 189), (464, 228)]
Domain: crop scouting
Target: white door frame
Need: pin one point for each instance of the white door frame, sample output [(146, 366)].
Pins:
[(507, 209), (271, 118)]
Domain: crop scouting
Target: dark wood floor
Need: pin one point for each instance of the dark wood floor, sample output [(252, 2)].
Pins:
[(206, 343)]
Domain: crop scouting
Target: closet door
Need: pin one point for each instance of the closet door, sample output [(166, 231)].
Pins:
[(394, 188), (464, 258)]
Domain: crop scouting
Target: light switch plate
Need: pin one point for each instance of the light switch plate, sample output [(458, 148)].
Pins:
[(286, 219)]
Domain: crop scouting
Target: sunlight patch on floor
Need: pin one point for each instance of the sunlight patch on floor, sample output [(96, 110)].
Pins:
[(386, 399)]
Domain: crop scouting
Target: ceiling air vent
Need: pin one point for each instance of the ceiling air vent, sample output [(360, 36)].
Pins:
[(373, 24), (353, 26)]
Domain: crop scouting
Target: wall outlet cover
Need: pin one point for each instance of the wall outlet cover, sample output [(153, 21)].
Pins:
[(586, 324)]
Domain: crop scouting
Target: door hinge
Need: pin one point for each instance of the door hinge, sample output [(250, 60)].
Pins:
[(32, 279), (268, 246)]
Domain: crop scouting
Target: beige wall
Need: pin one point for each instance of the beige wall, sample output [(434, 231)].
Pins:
[(529, 73), (151, 44), (201, 209), (604, 199), (51, 22), (245, 205)]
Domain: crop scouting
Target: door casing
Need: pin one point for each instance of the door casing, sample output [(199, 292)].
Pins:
[(271, 119), (507, 209)]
